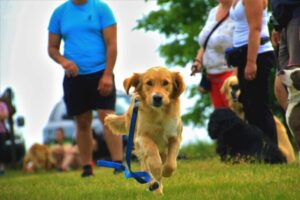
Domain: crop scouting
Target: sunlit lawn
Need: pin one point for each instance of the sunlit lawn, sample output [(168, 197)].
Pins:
[(194, 179)]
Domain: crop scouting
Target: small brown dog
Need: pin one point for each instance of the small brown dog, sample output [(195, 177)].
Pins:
[(38, 157), (158, 127), (231, 90)]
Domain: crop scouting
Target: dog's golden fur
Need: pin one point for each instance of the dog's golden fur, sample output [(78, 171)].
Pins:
[(158, 127), (38, 157), (284, 143)]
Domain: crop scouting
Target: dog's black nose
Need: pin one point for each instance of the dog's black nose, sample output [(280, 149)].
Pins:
[(157, 100)]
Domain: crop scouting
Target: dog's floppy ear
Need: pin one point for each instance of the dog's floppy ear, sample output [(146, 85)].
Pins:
[(178, 85), (295, 76), (225, 86), (134, 81)]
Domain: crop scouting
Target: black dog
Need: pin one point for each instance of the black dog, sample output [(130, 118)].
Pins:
[(238, 141)]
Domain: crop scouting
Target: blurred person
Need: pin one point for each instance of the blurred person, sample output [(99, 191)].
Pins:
[(285, 36), (4, 112), (65, 154), (89, 31), (255, 59), (210, 56)]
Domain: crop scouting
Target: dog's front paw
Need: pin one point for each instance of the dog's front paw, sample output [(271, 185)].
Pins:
[(156, 188), (168, 169)]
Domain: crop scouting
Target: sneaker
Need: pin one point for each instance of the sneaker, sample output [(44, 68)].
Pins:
[(86, 174), (118, 171), (87, 171)]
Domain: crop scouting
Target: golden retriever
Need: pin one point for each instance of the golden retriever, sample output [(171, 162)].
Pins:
[(158, 130), (39, 157), (232, 92)]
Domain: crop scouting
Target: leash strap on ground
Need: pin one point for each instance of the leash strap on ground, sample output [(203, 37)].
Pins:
[(142, 176)]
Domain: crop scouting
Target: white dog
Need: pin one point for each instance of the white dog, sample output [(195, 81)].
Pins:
[(292, 81)]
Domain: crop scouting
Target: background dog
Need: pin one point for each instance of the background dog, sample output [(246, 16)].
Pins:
[(292, 81), (238, 141), (38, 158), (158, 127), (231, 90)]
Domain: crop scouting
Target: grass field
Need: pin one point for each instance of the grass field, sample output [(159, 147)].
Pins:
[(194, 179)]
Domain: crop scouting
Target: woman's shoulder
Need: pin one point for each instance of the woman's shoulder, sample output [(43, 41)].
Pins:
[(213, 12)]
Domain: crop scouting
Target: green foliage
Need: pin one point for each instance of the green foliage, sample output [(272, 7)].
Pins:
[(180, 22)]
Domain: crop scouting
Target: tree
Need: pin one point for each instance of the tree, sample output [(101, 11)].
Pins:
[(180, 21)]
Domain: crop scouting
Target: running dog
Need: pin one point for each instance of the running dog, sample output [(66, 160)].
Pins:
[(158, 130)]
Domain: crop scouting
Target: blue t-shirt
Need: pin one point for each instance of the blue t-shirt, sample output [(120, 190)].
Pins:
[(80, 27)]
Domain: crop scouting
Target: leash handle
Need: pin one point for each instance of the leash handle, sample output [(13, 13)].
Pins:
[(141, 176)]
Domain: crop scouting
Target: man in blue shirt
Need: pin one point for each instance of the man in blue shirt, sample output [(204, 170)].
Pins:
[(89, 31)]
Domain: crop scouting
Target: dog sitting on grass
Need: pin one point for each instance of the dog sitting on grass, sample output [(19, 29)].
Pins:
[(292, 81), (38, 158), (240, 142), (231, 89), (158, 129)]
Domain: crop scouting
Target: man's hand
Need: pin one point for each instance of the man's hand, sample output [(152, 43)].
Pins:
[(70, 68), (275, 38), (105, 86)]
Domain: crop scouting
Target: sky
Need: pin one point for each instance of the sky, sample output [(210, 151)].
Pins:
[(37, 80)]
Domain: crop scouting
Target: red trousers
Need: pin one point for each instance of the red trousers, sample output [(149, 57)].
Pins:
[(216, 80)]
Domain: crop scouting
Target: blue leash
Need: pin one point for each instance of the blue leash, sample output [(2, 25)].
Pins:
[(141, 176)]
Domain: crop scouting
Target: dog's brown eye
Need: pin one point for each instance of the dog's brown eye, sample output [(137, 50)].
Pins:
[(165, 83), (150, 83)]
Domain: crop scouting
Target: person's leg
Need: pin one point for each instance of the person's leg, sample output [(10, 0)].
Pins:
[(84, 140), (218, 99), (255, 96), (114, 142), (2, 143), (283, 59)]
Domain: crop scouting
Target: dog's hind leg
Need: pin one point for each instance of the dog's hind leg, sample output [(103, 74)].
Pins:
[(116, 123)]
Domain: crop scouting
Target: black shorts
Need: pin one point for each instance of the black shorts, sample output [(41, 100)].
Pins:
[(81, 94)]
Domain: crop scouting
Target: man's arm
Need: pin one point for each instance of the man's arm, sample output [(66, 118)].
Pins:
[(53, 51), (106, 82)]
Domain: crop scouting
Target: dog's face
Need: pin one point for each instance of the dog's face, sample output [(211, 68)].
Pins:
[(291, 78), (231, 88), (157, 86), (221, 121)]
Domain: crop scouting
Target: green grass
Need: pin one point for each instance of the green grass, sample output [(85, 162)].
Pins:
[(194, 179)]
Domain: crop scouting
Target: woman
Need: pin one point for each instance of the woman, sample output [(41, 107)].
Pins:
[(212, 58), (4, 112), (256, 60)]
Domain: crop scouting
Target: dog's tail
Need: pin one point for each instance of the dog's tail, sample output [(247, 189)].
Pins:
[(117, 124)]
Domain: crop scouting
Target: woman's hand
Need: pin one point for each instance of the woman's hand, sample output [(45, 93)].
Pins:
[(196, 67), (250, 71)]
